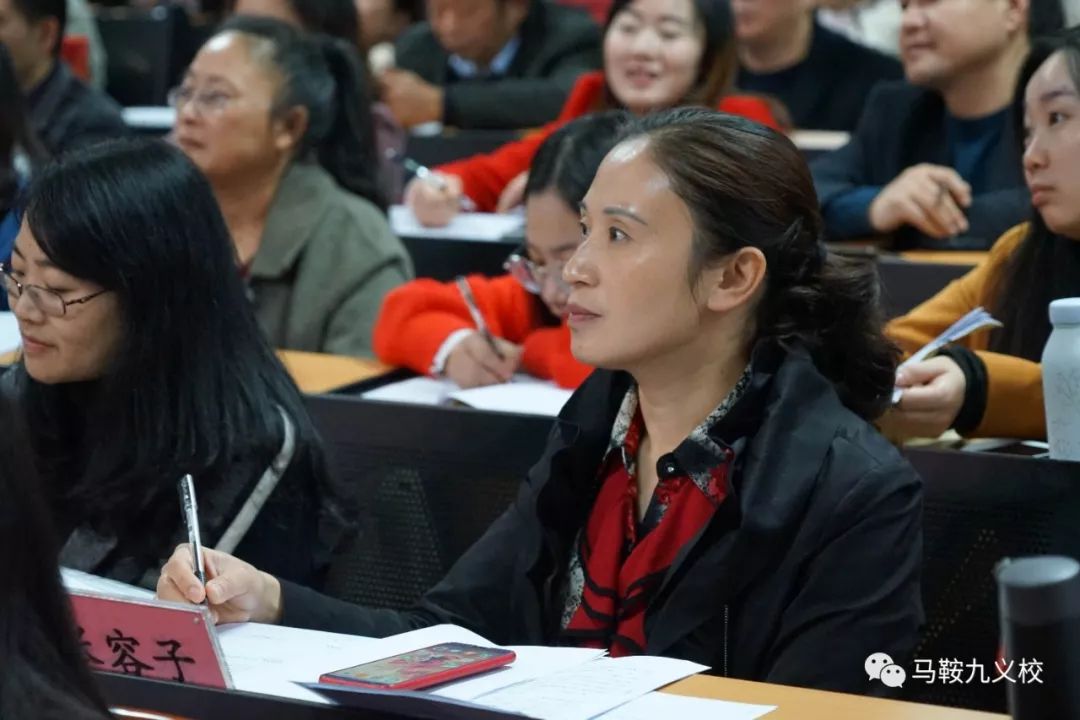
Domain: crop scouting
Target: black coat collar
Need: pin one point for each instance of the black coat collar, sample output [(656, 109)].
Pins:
[(784, 426)]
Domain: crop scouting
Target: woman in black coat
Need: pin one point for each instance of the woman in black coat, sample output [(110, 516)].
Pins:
[(717, 493)]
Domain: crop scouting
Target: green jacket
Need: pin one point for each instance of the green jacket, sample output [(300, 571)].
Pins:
[(326, 261)]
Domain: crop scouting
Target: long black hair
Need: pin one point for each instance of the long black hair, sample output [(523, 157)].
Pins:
[(194, 385), (43, 673), (1046, 266), (15, 133), (568, 159), (325, 76), (748, 186), (719, 63)]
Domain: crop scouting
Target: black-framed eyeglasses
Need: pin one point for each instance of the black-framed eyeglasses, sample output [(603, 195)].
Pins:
[(532, 276), (47, 301)]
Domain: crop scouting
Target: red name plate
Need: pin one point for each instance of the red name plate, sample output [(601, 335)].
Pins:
[(150, 638)]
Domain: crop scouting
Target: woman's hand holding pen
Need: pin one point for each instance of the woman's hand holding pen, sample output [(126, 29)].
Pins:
[(474, 362), (436, 199), (235, 590)]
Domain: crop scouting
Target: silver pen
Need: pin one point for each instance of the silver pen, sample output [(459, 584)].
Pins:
[(478, 318), (190, 508), (429, 176)]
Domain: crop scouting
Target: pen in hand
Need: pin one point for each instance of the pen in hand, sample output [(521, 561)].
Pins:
[(478, 318), (189, 508), (426, 174)]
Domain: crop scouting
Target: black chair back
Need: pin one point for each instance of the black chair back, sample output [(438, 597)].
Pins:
[(428, 480), (979, 509), (139, 44)]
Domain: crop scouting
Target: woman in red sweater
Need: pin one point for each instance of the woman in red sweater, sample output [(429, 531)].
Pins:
[(424, 325), (657, 54)]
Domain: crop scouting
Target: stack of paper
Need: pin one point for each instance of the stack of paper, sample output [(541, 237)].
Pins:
[(543, 682), (977, 319), (479, 227), (523, 394), (78, 581), (589, 690)]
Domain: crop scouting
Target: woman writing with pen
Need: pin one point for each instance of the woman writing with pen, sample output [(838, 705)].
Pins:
[(657, 54), (142, 362), (427, 326), (277, 121)]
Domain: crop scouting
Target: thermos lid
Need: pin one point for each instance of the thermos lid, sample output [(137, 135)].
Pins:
[(1039, 590), (1065, 311)]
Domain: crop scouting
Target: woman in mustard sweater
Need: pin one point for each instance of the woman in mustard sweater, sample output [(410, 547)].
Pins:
[(990, 384)]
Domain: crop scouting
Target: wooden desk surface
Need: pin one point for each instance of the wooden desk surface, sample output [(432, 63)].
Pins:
[(312, 372), (945, 257), (318, 373), (798, 703)]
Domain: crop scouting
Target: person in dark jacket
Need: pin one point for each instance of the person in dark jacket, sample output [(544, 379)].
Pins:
[(718, 493), (65, 112), (490, 63), (934, 161), (820, 76), (142, 361)]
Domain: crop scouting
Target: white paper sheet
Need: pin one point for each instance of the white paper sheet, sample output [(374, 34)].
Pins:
[(819, 140), (10, 339), (417, 391), (663, 705), (977, 319), (535, 398), (150, 117), (523, 394), (532, 662), (76, 580), (480, 227), (588, 690), (268, 659)]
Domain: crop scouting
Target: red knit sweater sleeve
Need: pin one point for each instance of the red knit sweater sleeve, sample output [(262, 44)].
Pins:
[(547, 355), (754, 108), (417, 317), (485, 176)]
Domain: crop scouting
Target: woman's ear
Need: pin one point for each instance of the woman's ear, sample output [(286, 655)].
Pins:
[(290, 128), (735, 281)]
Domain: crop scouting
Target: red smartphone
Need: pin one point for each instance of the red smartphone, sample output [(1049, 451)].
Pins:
[(422, 668)]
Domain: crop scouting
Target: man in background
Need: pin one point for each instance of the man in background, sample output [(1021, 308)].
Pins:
[(64, 112), (935, 161), (822, 77), (489, 63)]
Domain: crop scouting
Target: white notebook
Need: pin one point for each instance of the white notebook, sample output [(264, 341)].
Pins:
[(523, 394), (481, 227)]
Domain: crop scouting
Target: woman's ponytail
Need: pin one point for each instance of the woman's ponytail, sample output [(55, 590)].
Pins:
[(325, 76), (348, 149), (748, 186), (832, 309)]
